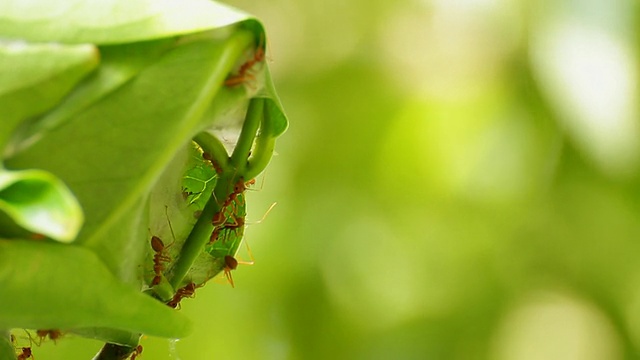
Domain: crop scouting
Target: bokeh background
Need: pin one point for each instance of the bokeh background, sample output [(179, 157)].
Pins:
[(459, 181)]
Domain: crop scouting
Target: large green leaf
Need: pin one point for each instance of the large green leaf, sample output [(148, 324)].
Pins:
[(30, 85), (122, 144), (111, 21), (55, 282)]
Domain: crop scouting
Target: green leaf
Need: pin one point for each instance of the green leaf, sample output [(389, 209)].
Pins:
[(122, 144), (121, 141), (6, 347), (111, 21), (278, 122), (69, 287), (118, 64), (29, 86), (39, 202)]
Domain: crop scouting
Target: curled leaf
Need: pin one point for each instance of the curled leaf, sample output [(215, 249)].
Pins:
[(37, 201)]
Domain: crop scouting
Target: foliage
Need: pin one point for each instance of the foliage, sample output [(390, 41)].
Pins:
[(98, 117)]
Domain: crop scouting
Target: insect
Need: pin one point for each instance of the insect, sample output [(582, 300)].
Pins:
[(237, 222), (188, 290), (216, 166), (243, 73), (214, 235), (228, 216), (223, 220), (136, 352), (219, 218), (53, 335), (159, 259), (230, 263), (26, 353)]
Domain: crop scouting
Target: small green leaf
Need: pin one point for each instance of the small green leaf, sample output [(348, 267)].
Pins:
[(39, 202)]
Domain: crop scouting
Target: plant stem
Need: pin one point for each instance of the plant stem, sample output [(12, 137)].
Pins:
[(241, 152), (264, 145), (201, 232), (214, 148)]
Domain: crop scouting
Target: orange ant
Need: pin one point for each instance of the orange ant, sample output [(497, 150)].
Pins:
[(158, 259), (26, 353), (137, 351), (209, 158), (188, 290), (243, 72), (214, 235), (231, 263), (160, 255), (238, 221), (53, 335), (241, 186), (219, 219)]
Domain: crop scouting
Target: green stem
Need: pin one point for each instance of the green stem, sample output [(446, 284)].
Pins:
[(263, 150), (201, 232), (215, 148), (249, 129), (199, 236)]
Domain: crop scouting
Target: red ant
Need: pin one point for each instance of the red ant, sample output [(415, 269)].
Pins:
[(137, 351), (214, 235), (221, 222), (243, 72), (209, 158), (160, 256), (158, 259), (231, 263), (219, 219), (53, 335), (26, 353), (241, 186), (188, 290)]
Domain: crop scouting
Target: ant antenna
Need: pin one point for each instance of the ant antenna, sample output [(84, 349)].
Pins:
[(166, 213)]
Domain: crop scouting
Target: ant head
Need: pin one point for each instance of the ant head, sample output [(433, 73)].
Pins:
[(239, 186)]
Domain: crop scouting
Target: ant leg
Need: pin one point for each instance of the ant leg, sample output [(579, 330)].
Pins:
[(263, 216)]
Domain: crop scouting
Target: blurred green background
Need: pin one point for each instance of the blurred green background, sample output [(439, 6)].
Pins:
[(459, 181)]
